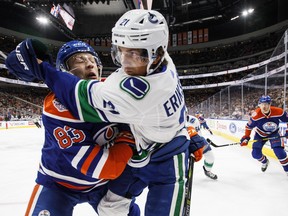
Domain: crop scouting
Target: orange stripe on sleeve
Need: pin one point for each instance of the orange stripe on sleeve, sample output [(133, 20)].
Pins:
[(90, 158), (247, 131), (31, 201), (118, 158)]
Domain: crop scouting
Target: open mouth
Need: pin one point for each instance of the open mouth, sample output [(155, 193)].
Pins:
[(92, 75)]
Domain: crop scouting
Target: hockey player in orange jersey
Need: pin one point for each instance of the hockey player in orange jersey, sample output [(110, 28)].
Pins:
[(266, 121), (76, 162)]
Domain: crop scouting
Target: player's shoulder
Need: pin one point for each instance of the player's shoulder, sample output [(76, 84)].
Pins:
[(257, 114), (276, 111), (52, 107), (136, 86)]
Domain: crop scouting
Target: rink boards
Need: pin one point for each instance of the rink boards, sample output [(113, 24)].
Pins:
[(229, 129), (16, 124), (235, 129)]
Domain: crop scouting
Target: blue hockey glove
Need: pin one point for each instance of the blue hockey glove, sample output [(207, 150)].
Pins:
[(22, 62), (244, 140)]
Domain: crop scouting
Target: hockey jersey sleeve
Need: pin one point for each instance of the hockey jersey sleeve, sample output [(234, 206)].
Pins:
[(70, 141), (99, 162), (64, 85), (77, 96), (250, 125)]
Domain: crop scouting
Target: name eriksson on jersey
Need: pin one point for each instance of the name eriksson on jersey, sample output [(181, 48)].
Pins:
[(174, 102)]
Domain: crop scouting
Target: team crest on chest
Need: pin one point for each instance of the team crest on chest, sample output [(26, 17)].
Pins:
[(106, 134), (135, 86), (270, 126)]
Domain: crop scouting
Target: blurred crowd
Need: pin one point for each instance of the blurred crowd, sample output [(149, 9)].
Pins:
[(231, 107), (26, 102), (21, 103)]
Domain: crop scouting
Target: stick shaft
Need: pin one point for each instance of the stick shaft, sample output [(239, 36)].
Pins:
[(188, 188), (238, 143)]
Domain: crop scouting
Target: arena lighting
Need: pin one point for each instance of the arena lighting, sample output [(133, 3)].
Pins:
[(247, 12), (188, 3), (42, 20), (197, 20), (233, 18)]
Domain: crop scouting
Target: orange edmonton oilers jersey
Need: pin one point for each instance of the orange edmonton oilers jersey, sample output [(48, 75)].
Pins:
[(266, 125), (73, 154)]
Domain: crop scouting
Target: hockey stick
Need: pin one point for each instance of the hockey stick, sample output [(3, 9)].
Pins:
[(217, 146), (188, 187), (238, 143)]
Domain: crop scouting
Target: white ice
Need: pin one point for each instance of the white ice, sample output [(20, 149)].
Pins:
[(241, 189)]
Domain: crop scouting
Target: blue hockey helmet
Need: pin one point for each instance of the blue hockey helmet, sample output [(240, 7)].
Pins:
[(69, 49), (265, 99)]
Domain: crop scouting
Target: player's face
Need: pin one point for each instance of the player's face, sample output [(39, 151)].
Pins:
[(265, 107), (133, 62), (83, 65)]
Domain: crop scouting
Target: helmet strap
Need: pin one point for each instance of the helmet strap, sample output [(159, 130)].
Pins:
[(150, 71)]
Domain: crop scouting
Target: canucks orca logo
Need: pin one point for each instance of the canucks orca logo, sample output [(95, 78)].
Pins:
[(135, 86), (152, 18)]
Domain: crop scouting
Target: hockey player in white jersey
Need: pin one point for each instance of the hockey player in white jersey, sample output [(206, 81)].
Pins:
[(145, 93), (207, 153)]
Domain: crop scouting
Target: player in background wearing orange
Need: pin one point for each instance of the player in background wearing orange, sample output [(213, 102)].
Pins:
[(266, 121), (203, 122)]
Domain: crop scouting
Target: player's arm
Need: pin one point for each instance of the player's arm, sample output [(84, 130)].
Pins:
[(100, 162), (248, 129), (25, 62)]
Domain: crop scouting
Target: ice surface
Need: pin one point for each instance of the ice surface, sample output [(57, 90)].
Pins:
[(241, 189)]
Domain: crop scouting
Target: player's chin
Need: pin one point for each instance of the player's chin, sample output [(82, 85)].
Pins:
[(91, 77), (129, 71)]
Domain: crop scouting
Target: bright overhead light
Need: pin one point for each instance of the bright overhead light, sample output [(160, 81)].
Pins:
[(236, 17), (244, 13), (247, 12), (250, 10), (42, 20), (188, 3)]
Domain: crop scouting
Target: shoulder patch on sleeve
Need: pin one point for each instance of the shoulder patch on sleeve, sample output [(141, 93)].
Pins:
[(135, 86), (254, 114)]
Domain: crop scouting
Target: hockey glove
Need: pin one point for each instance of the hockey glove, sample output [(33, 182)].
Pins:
[(22, 62), (126, 137), (198, 154), (196, 147), (244, 140)]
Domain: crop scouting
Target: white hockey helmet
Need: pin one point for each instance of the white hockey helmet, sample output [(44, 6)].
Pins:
[(140, 29)]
